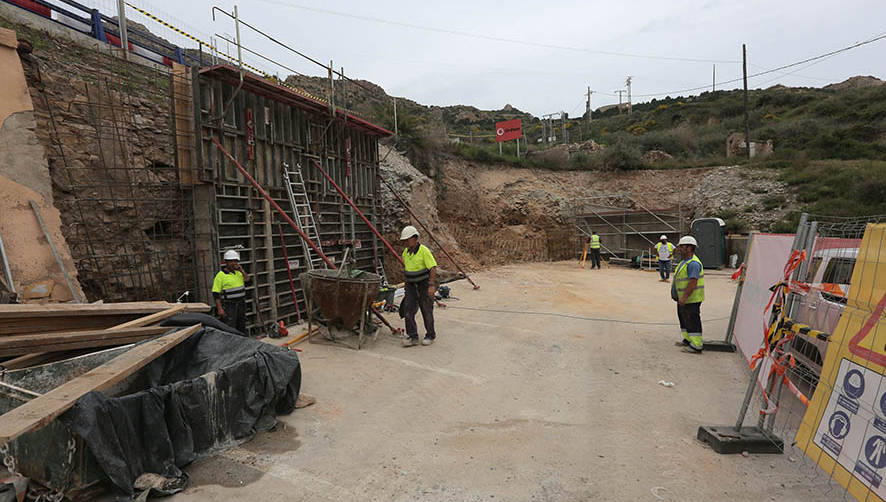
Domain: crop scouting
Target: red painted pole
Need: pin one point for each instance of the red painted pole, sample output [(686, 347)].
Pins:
[(293, 224), (289, 271), (428, 230), (360, 213)]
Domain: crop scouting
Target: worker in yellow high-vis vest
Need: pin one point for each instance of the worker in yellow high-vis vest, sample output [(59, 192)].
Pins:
[(688, 291), (594, 244), (664, 250), (420, 269), (229, 292)]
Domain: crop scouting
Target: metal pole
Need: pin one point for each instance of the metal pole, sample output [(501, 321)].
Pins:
[(121, 24), (747, 396), (747, 127), (518, 148), (6, 269), (428, 230), (359, 213), (730, 329), (58, 257), (396, 130), (499, 148)]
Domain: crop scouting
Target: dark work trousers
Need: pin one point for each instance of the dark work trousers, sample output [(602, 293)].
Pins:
[(690, 318), (416, 297), (664, 268), (235, 314), (595, 258)]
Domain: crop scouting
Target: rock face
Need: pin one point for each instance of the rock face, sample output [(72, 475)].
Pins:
[(754, 197), (656, 157)]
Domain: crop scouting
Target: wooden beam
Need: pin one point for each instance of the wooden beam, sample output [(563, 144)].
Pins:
[(40, 411), (55, 342), (92, 309), (159, 316)]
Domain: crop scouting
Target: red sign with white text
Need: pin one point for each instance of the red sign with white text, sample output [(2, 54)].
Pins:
[(508, 130)]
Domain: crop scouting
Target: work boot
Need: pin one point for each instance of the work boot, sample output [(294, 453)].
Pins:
[(410, 341), (427, 341)]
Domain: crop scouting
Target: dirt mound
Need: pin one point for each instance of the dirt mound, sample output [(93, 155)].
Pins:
[(856, 82), (656, 156)]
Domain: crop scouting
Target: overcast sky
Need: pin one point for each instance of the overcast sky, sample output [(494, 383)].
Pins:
[(541, 56)]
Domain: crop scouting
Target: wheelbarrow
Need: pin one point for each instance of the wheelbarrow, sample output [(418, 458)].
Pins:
[(340, 299)]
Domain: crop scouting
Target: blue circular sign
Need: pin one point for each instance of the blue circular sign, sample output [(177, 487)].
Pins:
[(853, 384), (839, 425), (875, 452), (883, 403)]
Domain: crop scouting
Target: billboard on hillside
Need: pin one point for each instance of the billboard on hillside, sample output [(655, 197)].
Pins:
[(508, 130)]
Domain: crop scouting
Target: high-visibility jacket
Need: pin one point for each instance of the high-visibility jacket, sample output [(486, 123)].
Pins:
[(417, 266), (670, 248), (595, 241), (229, 285), (681, 281)]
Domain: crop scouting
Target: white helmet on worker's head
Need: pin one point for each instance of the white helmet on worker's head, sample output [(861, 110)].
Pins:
[(688, 239), (408, 231), (663, 237), (232, 255)]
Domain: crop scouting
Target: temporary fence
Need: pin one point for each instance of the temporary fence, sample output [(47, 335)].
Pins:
[(809, 320)]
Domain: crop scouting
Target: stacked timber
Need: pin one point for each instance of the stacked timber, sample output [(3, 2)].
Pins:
[(38, 334)]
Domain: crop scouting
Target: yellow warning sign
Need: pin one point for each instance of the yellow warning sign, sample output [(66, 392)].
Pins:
[(844, 429)]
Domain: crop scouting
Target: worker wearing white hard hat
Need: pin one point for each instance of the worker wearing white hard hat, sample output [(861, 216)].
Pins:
[(688, 291), (420, 269), (665, 251), (229, 292)]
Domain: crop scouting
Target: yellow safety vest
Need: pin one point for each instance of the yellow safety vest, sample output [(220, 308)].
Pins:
[(417, 267), (681, 281), (670, 249), (595, 242), (230, 286)]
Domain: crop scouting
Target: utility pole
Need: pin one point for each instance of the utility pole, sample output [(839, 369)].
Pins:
[(396, 133), (563, 127), (331, 91), (628, 85), (714, 79), (744, 69), (588, 106), (121, 23), (619, 91)]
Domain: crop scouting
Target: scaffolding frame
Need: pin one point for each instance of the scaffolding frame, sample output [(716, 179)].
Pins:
[(626, 227)]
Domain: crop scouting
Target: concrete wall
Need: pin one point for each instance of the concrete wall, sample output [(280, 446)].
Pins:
[(24, 176)]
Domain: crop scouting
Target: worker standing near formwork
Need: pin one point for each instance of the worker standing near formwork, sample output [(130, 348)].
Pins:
[(229, 292), (688, 291), (595, 250), (420, 269)]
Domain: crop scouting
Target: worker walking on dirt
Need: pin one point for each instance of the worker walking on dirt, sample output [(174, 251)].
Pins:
[(595, 250), (688, 291), (665, 250), (229, 292), (420, 269)]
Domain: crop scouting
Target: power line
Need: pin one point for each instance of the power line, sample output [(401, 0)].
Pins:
[(772, 70), (492, 38)]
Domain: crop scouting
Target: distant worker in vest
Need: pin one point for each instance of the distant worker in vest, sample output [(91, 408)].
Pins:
[(595, 250), (421, 276), (687, 290), (664, 250), (229, 292)]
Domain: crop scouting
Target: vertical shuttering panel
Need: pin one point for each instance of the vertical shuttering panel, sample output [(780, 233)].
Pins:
[(280, 134)]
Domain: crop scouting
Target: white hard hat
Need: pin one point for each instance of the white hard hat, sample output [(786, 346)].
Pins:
[(232, 255), (687, 239), (408, 231), (663, 237)]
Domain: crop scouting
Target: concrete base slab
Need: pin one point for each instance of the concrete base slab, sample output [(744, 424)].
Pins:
[(725, 439)]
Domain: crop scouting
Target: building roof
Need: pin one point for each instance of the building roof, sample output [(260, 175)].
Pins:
[(294, 97)]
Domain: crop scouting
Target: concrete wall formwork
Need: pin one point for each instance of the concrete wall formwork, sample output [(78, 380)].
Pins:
[(265, 126)]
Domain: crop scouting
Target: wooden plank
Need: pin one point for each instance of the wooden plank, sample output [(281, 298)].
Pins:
[(64, 346), (92, 309), (27, 360), (38, 340), (40, 411), (144, 321)]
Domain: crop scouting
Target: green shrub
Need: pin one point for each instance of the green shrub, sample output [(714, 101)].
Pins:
[(621, 156)]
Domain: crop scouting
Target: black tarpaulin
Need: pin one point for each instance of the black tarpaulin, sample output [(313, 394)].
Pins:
[(210, 392)]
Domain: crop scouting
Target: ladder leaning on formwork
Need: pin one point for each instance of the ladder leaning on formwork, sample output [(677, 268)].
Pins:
[(301, 212)]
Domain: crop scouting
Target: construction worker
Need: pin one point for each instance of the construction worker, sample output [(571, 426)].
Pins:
[(664, 250), (229, 291), (595, 250), (687, 290), (421, 276)]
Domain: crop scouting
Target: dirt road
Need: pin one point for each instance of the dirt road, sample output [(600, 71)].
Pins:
[(514, 406)]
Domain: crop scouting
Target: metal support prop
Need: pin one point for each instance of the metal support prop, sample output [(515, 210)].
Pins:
[(743, 411), (292, 223), (359, 213), (428, 230), (58, 257)]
